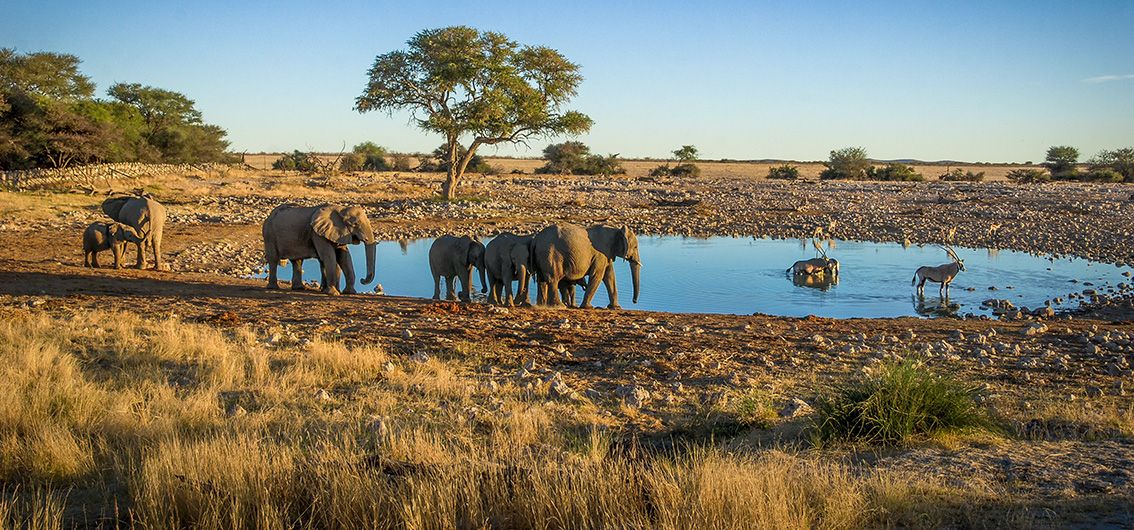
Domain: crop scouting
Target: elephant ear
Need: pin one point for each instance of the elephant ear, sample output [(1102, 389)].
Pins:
[(327, 222), (113, 206), (621, 242)]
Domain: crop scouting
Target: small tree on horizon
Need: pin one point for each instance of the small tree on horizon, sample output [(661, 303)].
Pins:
[(846, 163), (687, 154), (1061, 160), (463, 83)]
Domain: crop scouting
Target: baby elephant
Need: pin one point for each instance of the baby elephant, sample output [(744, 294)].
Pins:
[(453, 258), (107, 236)]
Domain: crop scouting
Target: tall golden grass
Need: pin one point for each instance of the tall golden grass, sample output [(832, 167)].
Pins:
[(114, 420)]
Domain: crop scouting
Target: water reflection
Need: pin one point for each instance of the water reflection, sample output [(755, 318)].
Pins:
[(934, 306), (822, 282)]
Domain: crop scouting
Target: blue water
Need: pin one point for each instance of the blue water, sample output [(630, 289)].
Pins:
[(745, 276)]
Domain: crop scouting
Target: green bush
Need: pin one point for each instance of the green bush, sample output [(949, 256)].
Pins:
[(894, 172), (402, 162), (1029, 175), (661, 171), (784, 172), (849, 163), (350, 162), (1102, 174), (902, 401), (1061, 160), (575, 158), (956, 175), (1119, 160), (297, 161)]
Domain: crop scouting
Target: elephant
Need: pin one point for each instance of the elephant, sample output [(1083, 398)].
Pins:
[(454, 257), (506, 259), (107, 236), (146, 216), (568, 252), (297, 233)]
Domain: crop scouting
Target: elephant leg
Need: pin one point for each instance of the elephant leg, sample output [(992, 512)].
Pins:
[(342, 254), (611, 287), (297, 275), (553, 292), (436, 286), (592, 287), (330, 267), (141, 263), (116, 252), (466, 285), (506, 283), (155, 242), (94, 260), (451, 287), (273, 264), (86, 259)]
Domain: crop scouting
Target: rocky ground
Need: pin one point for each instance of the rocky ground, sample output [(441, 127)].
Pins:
[(1061, 384)]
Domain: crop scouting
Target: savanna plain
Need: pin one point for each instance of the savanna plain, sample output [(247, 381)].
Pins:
[(194, 397)]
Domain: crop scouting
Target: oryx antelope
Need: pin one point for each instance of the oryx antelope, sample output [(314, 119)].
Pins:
[(942, 274), (814, 266)]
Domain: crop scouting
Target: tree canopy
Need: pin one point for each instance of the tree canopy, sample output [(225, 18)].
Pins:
[(687, 153), (481, 86), (846, 163), (1061, 160), (49, 118)]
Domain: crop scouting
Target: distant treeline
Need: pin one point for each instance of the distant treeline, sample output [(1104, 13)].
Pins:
[(49, 118)]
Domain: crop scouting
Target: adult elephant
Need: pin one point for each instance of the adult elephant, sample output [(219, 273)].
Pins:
[(297, 233), (569, 253), (146, 216), (506, 259), (452, 257)]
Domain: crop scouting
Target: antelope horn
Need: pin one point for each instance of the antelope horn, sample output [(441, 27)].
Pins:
[(819, 247)]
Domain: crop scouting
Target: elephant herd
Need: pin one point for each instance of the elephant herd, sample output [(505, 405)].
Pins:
[(134, 219), (557, 258)]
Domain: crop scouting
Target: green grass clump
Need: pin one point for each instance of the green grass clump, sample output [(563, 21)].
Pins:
[(901, 401)]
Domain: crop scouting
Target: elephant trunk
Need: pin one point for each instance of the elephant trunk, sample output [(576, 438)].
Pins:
[(483, 283), (635, 271), (371, 253)]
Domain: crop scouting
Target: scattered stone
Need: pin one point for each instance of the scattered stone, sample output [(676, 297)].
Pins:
[(1034, 329), (635, 395), (420, 356), (322, 395), (795, 408), (1094, 391), (560, 390), (407, 334)]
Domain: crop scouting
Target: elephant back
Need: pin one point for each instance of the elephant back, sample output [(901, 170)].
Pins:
[(113, 207)]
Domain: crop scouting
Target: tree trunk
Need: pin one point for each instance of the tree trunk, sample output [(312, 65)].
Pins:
[(453, 175)]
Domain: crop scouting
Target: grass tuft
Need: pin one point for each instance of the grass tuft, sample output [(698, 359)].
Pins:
[(900, 402)]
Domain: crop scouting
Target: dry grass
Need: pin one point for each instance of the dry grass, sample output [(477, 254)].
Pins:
[(161, 423)]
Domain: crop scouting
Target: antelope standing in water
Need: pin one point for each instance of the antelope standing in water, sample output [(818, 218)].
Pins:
[(942, 274), (820, 265)]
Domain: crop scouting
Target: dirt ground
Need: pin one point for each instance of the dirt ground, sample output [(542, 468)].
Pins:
[(1064, 391)]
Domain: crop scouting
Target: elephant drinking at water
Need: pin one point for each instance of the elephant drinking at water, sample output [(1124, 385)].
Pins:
[(296, 233), (453, 257), (507, 259), (567, 252)]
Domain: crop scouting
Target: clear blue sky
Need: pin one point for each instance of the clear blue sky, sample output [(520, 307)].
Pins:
[(979, 81)]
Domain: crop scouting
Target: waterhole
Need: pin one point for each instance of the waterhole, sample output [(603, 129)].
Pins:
[(745, 275)]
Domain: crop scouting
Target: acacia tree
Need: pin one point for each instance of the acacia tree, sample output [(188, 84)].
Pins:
[(687, 154), (463, 83), (1061, 160)]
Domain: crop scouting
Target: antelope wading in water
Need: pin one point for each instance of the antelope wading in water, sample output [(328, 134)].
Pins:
[(814, 266), (942, 274)]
